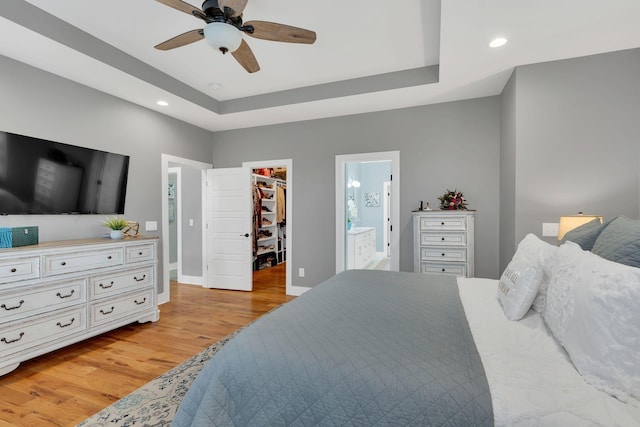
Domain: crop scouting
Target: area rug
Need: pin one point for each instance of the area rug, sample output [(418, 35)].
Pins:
[(155, 404)]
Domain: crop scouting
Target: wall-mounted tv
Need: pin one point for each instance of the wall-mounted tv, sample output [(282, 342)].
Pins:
[(38, 176)]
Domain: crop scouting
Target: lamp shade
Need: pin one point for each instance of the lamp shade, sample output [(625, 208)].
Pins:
[(224, 37), (569, 222)]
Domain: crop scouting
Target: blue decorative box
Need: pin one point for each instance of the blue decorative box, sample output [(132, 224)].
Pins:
[(18, 236)]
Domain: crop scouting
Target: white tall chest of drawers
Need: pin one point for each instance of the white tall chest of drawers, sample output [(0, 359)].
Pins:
[(58, 293), (443, 242)]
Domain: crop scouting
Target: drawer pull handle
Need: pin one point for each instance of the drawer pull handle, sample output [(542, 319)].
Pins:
[(107, 312), (140, 253), (106, 286), (442, 223), (141, 302), (59, 295), (14, 307), (73, 319), (443, 270), (443, 239), (144, 276), (6, 341), (109, 257), (442, 254), (13, 270), (63, 263)]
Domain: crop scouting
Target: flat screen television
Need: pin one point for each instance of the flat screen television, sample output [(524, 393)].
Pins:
[(38, 176)]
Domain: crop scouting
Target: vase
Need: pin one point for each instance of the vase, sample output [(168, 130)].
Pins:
[(117, 234)]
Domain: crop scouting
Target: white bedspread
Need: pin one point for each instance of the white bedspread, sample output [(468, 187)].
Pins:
[(532, 380)]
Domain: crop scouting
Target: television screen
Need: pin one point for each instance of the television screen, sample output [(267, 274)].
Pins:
[(46, 177)]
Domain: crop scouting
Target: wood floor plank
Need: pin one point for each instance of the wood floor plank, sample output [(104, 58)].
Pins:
[(67, 386)]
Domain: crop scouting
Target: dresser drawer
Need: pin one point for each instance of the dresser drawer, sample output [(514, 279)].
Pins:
[(82, 261), (111, 284), (139, 253), (44, 330), (455, 269), (443, 254), (54, 297), (443, 239), (19, 269), (447, 223), (130, 304)]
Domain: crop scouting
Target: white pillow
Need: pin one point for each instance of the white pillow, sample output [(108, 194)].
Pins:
[(537, 252), (521, 279), (592, 310)]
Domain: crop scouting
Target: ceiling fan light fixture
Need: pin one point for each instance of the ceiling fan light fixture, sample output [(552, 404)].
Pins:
[(223, 37)]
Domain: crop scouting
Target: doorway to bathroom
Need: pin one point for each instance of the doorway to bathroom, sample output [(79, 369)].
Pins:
[(367, 207)]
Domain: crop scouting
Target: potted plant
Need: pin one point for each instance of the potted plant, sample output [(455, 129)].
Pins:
[(117, 226)]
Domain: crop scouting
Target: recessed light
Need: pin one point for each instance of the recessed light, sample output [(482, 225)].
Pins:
[(162, 103), (500, 41)]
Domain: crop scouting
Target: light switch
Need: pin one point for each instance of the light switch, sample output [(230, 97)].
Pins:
[(151, 225), (550, 229), (190, 222)]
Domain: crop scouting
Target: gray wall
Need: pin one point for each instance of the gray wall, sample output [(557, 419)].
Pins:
[(191, 234), (441, 146), (577, 140), (508, 173), (40, 104)]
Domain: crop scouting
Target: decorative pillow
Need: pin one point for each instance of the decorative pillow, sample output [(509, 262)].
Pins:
[(521, 279), (539, 253), (620, 242), (592, 310), (586, 234)]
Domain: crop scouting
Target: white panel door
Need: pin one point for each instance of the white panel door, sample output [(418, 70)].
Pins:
[(229, 214)]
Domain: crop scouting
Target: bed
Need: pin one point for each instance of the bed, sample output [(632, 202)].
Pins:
[(371, 348)]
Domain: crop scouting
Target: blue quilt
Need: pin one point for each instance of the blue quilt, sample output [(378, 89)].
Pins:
[(365, 348)]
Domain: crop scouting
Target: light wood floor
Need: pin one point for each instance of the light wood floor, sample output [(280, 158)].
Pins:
[(67, 386)]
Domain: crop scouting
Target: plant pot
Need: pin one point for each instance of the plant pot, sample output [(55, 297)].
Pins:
[(117, 234)]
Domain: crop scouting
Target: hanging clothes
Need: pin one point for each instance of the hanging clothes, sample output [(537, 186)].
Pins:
[(280, 204)]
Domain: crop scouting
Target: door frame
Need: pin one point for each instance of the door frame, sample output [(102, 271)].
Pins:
[(178, 219), (340, 192), (165, 159), (288, 164)]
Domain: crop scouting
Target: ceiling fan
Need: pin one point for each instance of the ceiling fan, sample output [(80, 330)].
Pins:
[(225, 27)]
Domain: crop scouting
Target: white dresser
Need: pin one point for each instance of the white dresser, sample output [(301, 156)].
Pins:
[(443, 242), (58, 293), (361, 247)]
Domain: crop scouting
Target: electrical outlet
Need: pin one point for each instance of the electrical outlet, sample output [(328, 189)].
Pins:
[(301, 272), (550, 229)]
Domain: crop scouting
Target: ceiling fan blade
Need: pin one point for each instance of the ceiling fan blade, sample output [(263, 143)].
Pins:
[(181, 40), (184, 7), (280, 32), (237, 6), (245, 57)]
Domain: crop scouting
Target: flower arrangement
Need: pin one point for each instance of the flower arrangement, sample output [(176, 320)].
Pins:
[(452, 200)]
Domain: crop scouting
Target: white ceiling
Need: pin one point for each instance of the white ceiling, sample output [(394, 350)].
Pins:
[(358, 64)]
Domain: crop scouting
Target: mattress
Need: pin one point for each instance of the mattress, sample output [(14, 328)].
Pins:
[(532, 380)]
